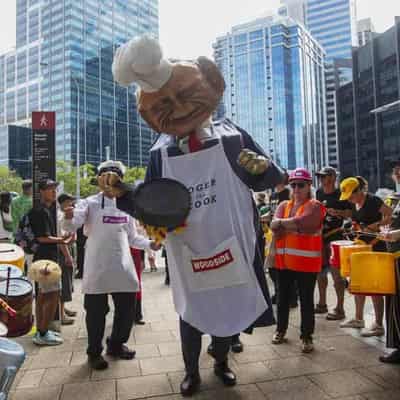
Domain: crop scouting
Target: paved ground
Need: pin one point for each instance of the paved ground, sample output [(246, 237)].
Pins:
[(342, 367)]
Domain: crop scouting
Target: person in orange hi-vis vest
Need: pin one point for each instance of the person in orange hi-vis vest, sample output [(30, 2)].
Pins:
[(297, 227)]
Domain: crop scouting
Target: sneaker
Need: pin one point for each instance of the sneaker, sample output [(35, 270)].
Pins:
[(353, 323), (279, 338), (67, 321), (70, 313), (321, 309), (307, 346), (49, 339), (374, 330), (97, 362)]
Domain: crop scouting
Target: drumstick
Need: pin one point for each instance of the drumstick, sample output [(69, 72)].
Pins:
[(10, 311), (8, 281)]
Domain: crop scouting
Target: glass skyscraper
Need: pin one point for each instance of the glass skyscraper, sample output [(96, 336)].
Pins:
[(65, 48), (333, 24), (274, 73)]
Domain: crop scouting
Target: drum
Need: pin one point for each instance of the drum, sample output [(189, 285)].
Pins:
[(12, 254), (20, 299), (15, 272), (372, 273), (334, 260), (345, 257)]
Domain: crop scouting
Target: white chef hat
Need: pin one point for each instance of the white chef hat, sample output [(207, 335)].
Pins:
[(141, 61), (109, 165)]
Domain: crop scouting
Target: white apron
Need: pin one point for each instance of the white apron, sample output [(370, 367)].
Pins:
[(214, 285), (108, 264)]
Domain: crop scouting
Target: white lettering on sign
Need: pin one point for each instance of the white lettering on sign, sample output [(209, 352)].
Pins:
[(218, 261)]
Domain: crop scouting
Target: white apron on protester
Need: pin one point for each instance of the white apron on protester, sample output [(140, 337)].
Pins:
[(214, 285), (108, 264)]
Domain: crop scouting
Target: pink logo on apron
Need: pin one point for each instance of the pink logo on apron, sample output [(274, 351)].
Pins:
[(109, 219)]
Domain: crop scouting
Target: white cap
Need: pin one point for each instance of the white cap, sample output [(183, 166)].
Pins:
[(109, 164), (141, 61)]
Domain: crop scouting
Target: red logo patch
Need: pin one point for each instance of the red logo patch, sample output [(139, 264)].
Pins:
[(214, 262)]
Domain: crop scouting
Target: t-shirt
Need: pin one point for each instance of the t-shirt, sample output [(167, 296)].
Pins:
[(278, 197), (19, 207), (369, 214), (43, 223), (331, 200)]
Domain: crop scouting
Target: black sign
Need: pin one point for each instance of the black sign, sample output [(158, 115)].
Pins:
[(43, 150)]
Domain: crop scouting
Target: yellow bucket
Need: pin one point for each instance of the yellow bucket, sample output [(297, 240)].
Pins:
[(372, 273), (345, 257), (12, 254)]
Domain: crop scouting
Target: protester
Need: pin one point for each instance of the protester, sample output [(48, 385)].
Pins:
[(44, 226), (328, 194), (22, 204), (178, 100), (138, 261), (66, 263), (297, 226), (109, 268), (369, 215), (5, 217)]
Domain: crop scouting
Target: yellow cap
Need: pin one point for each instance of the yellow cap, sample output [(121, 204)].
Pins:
[(347, 187)]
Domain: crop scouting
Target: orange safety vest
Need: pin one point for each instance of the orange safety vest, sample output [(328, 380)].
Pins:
[(299, 251)]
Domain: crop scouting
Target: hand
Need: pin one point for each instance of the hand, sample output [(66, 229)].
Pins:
[(69, 213), (155, 246), (68, 238), (276, 225), (252, 162), (372, 228)]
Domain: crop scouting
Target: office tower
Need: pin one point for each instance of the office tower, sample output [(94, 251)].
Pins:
[(365, 31), (274, 73), (63, 56)]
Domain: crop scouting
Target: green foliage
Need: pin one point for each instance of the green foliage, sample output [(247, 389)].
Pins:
[(9, 180), (135, 173)]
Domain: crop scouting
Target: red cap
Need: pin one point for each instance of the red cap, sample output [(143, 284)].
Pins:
[(300, 174)]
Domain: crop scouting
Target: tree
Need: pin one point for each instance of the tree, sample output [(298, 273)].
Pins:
[(134, 174), (9, 180)]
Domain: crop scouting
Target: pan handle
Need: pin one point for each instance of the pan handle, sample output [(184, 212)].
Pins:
[(7, 251)]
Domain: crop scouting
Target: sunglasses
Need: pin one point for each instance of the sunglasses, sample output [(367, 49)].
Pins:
[(300, 185)]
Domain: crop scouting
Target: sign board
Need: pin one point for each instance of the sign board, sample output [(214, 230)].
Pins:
[(43, 149)]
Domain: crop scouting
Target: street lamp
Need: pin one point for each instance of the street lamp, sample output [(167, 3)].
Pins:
[(78, 174)]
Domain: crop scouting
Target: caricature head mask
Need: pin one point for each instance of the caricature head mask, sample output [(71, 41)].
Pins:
[(174, 98)]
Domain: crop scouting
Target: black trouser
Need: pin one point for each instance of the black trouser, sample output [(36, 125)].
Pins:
[(191, 347), (96, 306), (80, 257), (138, 310), (306, 285)]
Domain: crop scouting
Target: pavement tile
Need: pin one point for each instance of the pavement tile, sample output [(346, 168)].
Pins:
[(164, 326), (299, 388), (252, 373), (79, 358), (142, 387), (89, 391), (293, 366), (255, 353), (386, 395), (29, 347), (170, 348), (117, 369), (145, 350), (344, 383), (42, 393), (153, 337), (69, 374), (161, 365), (238, 392), (334, 360), (208, 380), (50, 360), (31, 379), (387, 376)]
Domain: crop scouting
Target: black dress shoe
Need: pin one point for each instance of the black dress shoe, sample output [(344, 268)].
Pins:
[(392, 358), (122, 352), (237, 346), (98, 362), (190, 385), (140, 322), (210, 350), (223, 372)]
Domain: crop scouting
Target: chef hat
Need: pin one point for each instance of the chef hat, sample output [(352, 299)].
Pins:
[(141, 61), (114, 166)]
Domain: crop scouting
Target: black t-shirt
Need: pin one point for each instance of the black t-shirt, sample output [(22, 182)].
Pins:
[(278, 197), (42, 220), (331, 200), (369, 214)]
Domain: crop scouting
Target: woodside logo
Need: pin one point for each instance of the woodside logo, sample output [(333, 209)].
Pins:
[(214, 262)]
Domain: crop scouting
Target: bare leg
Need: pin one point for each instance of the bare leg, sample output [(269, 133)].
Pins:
[(339, 288), (322, 285), (378, 303), (46, 308), (360, 302)]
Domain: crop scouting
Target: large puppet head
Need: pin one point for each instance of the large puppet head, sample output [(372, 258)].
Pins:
[(173, 97)]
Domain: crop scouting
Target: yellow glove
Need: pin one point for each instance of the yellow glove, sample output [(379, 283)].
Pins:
[(252, 162), (158, 234)]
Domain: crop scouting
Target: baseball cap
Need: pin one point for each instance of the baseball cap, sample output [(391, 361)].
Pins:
[(47, 183), (347, 187), (300, 174), (395, 163), (63, 197), (327, 171)]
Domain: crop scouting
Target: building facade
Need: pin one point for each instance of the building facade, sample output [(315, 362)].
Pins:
[(16, 149), (365, 31), (63, 57), (333, 24), (274, 73), (369, 110)]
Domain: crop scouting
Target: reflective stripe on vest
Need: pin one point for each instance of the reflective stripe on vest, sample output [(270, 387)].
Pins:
[(299, 251)]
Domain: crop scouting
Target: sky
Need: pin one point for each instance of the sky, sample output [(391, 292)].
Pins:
[(189, 27)]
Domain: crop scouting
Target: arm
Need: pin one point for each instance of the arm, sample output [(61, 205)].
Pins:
[(386, 212), (135, 240), (80, 214)]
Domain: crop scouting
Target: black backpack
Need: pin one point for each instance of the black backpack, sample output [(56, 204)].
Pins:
[(24, 236)]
